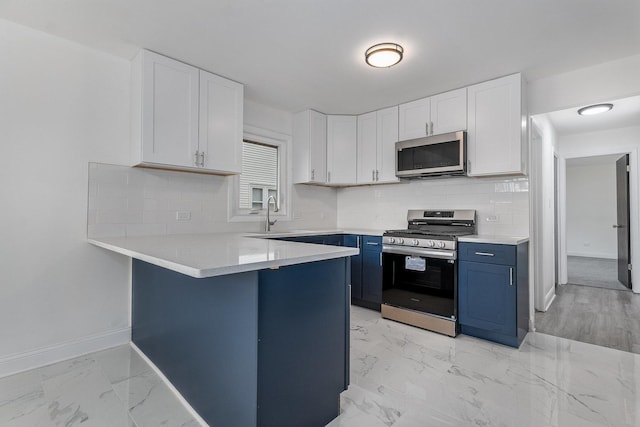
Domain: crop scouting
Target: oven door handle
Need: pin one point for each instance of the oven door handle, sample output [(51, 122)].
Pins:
[(423, 252)]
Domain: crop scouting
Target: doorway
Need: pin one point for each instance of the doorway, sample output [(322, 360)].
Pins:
[(593, 305), (597, 221)]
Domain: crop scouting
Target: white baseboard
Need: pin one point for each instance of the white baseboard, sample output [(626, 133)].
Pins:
[(20, 362), (175, 391), (549, 297), (593, 255)]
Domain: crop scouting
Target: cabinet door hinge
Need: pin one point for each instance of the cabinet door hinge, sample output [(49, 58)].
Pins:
[(628, 168), (629, 267)]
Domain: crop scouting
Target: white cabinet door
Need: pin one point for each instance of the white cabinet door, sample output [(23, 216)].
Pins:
[(387, 136), (494, 134), (341, 149), (318, 147), (220, 140), (368, 147), (414, 117), (169, 102), (309, 147), (448, 112)]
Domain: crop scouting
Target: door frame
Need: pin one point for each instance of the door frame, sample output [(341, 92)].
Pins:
[(634, 206)]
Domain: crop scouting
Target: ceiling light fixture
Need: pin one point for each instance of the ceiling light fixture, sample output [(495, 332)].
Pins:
[(595, 109), (384, 55)]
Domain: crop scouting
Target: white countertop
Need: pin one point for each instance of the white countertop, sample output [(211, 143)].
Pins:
[(207, 255), (296, 233), (499, 240)]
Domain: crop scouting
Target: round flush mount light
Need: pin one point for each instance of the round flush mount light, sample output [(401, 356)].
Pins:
[(595, 109), (384, 55)]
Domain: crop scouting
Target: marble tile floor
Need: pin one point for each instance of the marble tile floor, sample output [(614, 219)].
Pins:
[(111, 388), (405, 377), (401, 376)]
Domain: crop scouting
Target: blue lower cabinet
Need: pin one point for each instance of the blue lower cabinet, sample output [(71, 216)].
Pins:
[(320, 239), (353, 241), (266, 348), (493, 297), (366, 270)]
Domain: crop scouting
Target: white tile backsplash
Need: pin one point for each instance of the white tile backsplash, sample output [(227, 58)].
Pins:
[(385, 206), (137, 201)]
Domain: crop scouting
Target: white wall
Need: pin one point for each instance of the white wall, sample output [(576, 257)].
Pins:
[(61, 106), (591, 210), (502, 204)]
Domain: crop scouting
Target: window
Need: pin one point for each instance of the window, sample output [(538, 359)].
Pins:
[(264, 174), (259, 178)]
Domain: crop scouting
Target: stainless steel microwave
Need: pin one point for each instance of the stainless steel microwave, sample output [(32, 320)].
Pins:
[(432, 156)]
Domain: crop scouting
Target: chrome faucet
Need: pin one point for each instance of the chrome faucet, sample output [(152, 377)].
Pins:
[(276, 208)]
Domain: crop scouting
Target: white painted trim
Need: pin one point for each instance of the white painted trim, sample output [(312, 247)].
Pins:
[(25, 361), (549, 298), (175, 391), (603, 255), (284, 144)]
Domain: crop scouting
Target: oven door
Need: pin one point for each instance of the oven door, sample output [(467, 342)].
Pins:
[(420, 282)]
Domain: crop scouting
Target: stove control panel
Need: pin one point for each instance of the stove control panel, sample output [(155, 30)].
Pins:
[(420, 243)]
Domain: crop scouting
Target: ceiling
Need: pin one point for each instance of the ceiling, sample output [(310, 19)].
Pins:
[(299, 54), (594, 160), (625, 112)]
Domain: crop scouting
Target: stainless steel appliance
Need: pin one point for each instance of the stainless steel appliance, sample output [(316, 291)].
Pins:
[(432, 156), (419, 269)]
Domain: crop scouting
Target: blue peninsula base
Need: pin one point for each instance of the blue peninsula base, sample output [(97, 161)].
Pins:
[(261, 348)]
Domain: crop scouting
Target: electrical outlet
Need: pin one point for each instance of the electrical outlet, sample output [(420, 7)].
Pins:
[(492, 218), (183, 216)]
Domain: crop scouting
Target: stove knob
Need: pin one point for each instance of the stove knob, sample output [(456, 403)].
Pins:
[(392, 240), (401, 241), (416, 242), (431, 243), (441, 245)]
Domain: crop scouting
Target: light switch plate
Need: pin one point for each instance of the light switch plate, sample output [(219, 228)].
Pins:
[(183, 216)]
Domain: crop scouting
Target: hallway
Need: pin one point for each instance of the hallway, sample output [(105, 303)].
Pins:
[(605, 317)]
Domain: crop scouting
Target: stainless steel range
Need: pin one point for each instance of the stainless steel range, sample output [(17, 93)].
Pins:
[(419, 269)]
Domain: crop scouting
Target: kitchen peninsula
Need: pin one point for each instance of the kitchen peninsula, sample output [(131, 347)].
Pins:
[(251, 331)]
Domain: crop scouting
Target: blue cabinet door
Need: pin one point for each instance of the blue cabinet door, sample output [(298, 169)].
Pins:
[(353, 241), (372, 269), (487, 296)]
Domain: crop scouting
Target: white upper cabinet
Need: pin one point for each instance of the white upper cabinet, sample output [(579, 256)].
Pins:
[(443, 113), (170, 129), (221, 119), (367, 148), (414, 118), (341, 150), (309, 147), (167, 111), (377, 137), (386, 143), (495, 131), (449, 112)]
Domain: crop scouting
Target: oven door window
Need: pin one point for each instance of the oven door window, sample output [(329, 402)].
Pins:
[(431, 290)]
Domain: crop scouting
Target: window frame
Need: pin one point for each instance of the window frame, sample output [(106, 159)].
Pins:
[(283, 143)]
